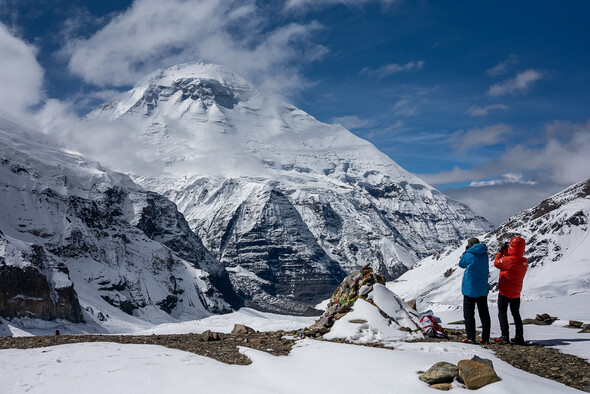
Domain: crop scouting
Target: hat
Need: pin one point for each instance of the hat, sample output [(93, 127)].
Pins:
[(471, 242)]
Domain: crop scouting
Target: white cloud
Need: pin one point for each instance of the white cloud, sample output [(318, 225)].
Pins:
[(404, 108), (21, 76), (503, 67), (393, 68), (558, 161), (462, 141), (499, 202), (519, 84), (316, 4), (353, 122), (153, 34), (484, 111)]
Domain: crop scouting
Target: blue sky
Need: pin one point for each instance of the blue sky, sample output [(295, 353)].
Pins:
[(487, 100)]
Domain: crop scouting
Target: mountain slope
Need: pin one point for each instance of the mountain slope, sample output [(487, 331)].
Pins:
[(232, 156), (558, 250), (75, 236)]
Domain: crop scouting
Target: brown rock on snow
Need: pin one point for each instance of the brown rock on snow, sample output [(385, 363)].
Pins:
[(441, 372), (476, 375)]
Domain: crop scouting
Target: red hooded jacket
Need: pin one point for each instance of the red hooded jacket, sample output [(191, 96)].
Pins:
[(513, 266)]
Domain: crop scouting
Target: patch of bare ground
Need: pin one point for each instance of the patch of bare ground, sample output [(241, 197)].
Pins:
[(224, 349), (539, 360)]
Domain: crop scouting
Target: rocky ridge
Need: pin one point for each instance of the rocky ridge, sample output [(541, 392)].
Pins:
[(80, 242)]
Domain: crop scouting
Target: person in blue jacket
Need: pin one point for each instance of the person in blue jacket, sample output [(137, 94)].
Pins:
[(475, 289)]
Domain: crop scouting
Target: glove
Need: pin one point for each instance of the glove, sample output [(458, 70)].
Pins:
[(503, 248)]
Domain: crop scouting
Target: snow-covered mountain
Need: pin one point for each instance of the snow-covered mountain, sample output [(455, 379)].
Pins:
[(287, 203), (558, 250), (80, 242)]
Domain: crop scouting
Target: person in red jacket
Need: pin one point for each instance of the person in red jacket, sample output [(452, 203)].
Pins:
[(512, 265)]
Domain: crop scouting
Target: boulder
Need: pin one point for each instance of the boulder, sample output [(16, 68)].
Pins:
[(540, 320), (441, 372), (240, 329), (441, 386), (476, 375), (209, 336), (575, 324)]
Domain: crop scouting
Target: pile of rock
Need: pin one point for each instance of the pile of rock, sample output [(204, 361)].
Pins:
[(541, 320), (357, 285), (473, 374), (239, 329)]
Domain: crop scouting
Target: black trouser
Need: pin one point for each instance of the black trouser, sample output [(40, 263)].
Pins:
[(514, 303), (469, 316)]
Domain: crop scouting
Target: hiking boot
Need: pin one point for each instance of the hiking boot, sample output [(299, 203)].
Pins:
[(501, 340), (518, 341), (482, 342), (467, 340)]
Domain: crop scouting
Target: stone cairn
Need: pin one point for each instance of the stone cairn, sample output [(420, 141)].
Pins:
[(356, 285)]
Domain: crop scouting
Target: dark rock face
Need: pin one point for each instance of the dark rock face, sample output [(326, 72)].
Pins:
[(293, 272), (26, 292), (121, 244)]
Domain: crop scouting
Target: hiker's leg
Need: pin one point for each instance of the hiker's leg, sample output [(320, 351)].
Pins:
[(515, 310), (484, 316), (469, 316), (502, 315)]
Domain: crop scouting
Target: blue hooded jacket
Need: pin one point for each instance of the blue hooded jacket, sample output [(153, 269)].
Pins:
[(476, 263)]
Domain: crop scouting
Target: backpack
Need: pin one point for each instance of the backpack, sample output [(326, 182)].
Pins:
[(430, 324)]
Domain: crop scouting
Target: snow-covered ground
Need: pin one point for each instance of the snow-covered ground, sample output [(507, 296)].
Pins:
[(312, 366)]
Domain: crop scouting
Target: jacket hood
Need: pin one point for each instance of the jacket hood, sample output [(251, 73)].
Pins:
[(516, 247), (478, 249)]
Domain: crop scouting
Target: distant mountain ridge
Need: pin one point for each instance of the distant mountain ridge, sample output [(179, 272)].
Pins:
[(558, 250), (288, 204)]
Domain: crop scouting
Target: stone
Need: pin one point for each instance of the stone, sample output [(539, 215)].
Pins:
[(325, 321), (208, 336), (476, 375), (482, 360), (240, 329), (585, 329), (255, 341), (441, 372), (357, 321), (412, 304), (441, 386), (576, 323)]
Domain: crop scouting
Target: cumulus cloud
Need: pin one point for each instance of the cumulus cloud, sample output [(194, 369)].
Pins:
[(519, 84), (547, 166), (475, 110), (152, 34), (499, 202), (21, 76), (503, 67), (393, 68), (462, 141)]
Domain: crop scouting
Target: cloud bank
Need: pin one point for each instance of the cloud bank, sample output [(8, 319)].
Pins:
[(546, 164), (21, 76), (152, 34)]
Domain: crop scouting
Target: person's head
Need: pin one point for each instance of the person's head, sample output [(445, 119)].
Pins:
[(471, 242), (516, 246)]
